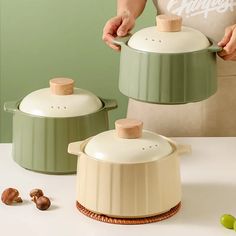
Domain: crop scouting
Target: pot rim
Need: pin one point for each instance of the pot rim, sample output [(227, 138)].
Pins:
[(122, 41), (107, 104), (177, 149)]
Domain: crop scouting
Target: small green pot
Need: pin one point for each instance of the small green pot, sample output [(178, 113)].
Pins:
[(167, 78), (40, 143)]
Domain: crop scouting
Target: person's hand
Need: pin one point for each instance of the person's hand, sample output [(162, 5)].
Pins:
[(117, 26), (228, 43)]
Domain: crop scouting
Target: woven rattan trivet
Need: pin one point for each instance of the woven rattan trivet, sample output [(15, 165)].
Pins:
[(128, 221)]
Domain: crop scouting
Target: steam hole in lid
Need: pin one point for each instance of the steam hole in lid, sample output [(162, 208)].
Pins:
[(156, 145), (146, 38), (52, 107), (143, 148), (58, 107), (64, 107), (150, 146), (153, 40), (159, 41)]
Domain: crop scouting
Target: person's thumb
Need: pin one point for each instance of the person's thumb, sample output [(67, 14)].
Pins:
[(125, 27)]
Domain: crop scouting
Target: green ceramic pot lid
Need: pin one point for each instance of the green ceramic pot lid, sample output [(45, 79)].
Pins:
[(128, 144), (169, 36), (60, 100)]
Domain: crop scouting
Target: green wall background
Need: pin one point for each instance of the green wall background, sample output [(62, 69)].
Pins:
[(41, 39)]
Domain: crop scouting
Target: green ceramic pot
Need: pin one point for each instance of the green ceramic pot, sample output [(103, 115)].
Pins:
[(40, 143), (167, 78)]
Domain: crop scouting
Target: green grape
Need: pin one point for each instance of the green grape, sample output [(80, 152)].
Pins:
[(228, 221), (235, 225)]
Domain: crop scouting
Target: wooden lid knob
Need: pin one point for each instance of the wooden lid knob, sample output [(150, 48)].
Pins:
[(62, 86), (129, 128), (169, 23)]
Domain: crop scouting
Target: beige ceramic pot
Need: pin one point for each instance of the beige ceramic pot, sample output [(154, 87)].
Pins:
[(128, 172)]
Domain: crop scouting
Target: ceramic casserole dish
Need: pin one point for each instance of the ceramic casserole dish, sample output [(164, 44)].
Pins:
[(47, 120), (128, 172), (168, 63)]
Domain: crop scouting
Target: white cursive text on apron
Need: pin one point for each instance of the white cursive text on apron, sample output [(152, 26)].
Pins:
[(198, 7)]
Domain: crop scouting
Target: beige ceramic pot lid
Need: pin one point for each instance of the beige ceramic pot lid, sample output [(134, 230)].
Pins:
[(128, 144), (60, 100), (169, 36)]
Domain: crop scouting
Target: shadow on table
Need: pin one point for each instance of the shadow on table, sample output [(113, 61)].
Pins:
[(203, 204)]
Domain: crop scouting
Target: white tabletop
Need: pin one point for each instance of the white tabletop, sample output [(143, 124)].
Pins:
[(209, 190)]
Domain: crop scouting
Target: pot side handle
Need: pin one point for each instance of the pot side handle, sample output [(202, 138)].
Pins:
[(11, 106), (184, 149), (121, 40), (110, 104), (214, 47), (74, 148)]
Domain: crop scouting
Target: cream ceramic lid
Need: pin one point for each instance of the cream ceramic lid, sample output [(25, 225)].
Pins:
[(128, 144), (60, 100), (169, 36)]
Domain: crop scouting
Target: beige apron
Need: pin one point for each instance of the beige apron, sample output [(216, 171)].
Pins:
[(215, 116)]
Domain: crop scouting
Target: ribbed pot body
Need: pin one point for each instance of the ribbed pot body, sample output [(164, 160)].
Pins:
[(129, 190), (40, 143), (167, 78)]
